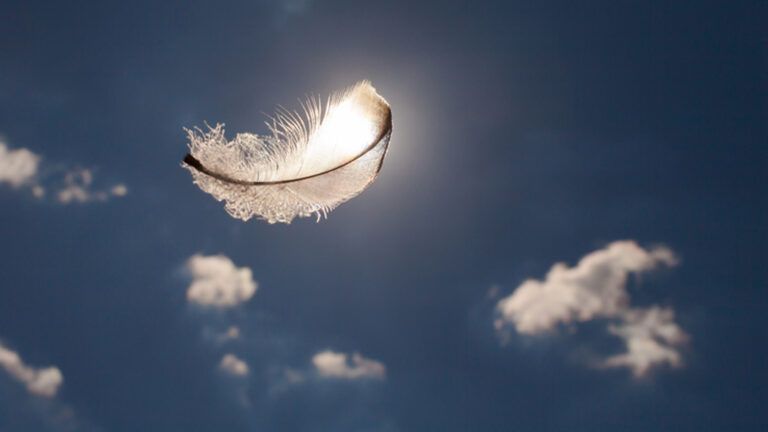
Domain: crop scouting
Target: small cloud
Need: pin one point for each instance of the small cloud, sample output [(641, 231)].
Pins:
[(213, 335), (38, 191), (327, 365), (233, 332), (233, 365), (651, 336), (20, 168), (120, 190), (78, 188), (217, 282), (595, 287), (43, 382), (330, 364), (17, 167), (293, 376)]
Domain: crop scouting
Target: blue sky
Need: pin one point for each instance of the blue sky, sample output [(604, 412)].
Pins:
[(525, 135)]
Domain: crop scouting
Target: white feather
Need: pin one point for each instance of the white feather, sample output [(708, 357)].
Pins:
[(311, 163)]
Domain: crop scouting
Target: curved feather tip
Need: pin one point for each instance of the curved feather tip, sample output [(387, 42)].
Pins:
[(309, 164)]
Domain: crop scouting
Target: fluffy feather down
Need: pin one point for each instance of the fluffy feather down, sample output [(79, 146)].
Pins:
[(310, 164)]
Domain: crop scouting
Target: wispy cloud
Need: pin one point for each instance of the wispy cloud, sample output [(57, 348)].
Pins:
[(596, 288), (330, 364), (21, 169), (232, 333), (650, 336), (217, 282), (219, 337), (44, 382), (78, 188)]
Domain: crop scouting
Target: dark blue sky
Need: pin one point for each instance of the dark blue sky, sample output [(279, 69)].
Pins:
[(524, 134)]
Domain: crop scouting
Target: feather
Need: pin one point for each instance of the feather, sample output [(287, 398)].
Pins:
[(309, 164)]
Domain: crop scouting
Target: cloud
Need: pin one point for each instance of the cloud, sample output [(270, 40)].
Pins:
[(21, 168), (651, 336), (217, 282), (232, 333), (293, 376), (233, 365), (17, 167), (43, 382), (78, 189), (219, 337), (330, 364), (596, 288)]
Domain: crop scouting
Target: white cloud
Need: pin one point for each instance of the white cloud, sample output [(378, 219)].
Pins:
[(43, 382), (20, 168), (330, 364), (233, 365), (17, 167), (119, 190), (78, 187), (217, 282), (651, 336), (595, 287)]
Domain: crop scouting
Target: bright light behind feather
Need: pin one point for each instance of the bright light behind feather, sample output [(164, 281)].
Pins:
[(346, 129)]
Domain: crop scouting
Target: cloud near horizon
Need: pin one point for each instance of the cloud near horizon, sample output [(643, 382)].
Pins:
[(596, 288), (330, 364), (44, 382), (217, 282)]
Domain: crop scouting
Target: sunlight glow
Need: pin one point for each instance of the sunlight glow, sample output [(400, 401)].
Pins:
[(348, 130)]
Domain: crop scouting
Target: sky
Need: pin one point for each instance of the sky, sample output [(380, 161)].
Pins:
[(568, 232)]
